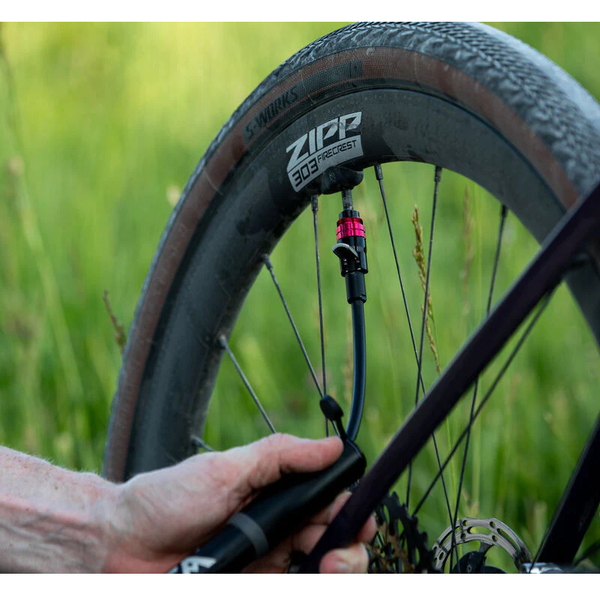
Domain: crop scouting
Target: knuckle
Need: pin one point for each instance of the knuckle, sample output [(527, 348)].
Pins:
[(278, 440)]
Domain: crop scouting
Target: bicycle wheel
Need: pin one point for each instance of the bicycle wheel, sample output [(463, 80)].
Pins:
[(463, 97)]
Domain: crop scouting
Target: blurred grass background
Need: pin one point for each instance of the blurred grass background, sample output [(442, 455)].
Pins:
[(100, 127)]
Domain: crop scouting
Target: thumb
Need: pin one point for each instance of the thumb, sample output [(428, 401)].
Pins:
[(266, 460)]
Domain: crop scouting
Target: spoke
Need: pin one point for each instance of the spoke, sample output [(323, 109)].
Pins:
[(225, 345), (483, 402), (198, 441), (315, 208), (438, 175), (379, 175), (503, 213), (269, 266), (314, 202)]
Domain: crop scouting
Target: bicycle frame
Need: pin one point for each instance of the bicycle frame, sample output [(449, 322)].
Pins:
[(582, 495)]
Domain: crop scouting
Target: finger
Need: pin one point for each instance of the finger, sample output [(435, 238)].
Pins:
[(306, 539), (325, 516), (278, 558), (276, 561), (263, 462), (353, 559), (368, 530)]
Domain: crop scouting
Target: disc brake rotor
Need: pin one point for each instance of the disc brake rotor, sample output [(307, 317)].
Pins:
[(489, 533)]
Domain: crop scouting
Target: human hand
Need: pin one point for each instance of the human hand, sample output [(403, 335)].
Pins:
[(163, 516)]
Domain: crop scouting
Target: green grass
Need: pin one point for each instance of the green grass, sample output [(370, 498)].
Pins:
[(100, 127)]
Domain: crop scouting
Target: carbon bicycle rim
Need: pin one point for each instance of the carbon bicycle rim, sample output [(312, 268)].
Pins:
[(420, 98)]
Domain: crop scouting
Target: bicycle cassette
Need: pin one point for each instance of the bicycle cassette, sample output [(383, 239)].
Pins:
[(399, 546)]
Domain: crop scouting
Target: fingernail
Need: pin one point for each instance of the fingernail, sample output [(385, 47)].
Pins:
[(342, 567)]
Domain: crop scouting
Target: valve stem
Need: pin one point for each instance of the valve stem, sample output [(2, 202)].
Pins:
[(347, 199)]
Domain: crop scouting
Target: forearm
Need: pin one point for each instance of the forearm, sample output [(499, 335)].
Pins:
[(51, 519)]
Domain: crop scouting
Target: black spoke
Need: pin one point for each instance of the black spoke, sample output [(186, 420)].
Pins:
[(503, 213), (269, 266), (225, 345), (438, 176), (379, 175), (490, 391), (314, 202), (198, 441), (315, 208)]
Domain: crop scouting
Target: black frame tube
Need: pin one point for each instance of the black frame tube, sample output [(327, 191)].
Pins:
[(577, 507)]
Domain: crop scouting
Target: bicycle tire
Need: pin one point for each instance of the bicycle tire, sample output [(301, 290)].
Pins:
[(462, 96)]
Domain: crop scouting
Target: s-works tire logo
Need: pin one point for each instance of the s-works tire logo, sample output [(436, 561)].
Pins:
[(325, 146)]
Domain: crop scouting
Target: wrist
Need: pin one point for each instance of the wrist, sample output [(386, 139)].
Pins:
[(131, 545)]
